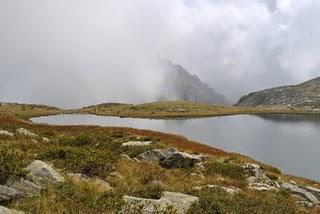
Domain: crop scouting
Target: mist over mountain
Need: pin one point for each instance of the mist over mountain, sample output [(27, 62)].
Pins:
[(179, 84)]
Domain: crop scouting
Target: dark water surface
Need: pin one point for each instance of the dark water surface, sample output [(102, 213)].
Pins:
[(289, 142)]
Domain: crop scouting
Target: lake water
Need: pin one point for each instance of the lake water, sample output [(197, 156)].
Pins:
[(289, 142)]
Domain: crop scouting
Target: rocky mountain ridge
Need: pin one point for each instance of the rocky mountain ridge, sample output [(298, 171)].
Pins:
[(306, 95), (179, 84)]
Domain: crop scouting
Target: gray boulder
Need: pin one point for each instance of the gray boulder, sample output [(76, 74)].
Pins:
[(301, 193), (170, 201), (170, 158), (4, 210), (8, 193), (26, 187), (43, 174)]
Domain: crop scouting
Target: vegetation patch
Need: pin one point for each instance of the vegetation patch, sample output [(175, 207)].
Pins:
[(219, 201), (11, 164), (225, 169)]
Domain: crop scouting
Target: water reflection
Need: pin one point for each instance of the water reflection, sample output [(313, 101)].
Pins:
[(290, 142)]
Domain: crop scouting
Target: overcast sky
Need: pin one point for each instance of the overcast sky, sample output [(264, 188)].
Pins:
[(79, 52)]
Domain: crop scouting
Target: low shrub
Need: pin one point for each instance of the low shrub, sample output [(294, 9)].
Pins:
[(153, 191), (71, 198), (218, 201), (83, 160), (225, 169), (11, 164)]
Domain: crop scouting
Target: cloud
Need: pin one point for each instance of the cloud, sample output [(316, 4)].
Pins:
[(74, 53)]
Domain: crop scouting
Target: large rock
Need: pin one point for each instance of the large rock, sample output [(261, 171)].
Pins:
[(43, 174), (6, 133), (170, 201), (8, 193), (4, 210), (170, 158), (27, 133), (26, 187), (301, 193)]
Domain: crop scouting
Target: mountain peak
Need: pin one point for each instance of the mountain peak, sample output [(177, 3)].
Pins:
[(179, 84)]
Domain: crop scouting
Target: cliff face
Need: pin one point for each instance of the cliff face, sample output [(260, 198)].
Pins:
[(179, 84), (306, 94)]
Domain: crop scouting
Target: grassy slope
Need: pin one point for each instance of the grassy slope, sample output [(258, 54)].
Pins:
[(96, 151), (25, 111), (177, 109)]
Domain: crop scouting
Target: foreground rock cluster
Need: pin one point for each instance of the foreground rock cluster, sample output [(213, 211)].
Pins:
[(39, 176), (258, 180)]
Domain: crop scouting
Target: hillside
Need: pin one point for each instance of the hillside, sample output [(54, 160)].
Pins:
[(305, 95), (179, 84)]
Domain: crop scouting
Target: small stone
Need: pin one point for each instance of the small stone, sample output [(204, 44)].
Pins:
[(229, 189), (137, 143), (45, 140), (6, 133), (27, 133)]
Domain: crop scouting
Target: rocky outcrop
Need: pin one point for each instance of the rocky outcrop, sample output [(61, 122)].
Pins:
[(257, 179), (42, 174), (4, 210), (25, 132), (179, 84), (6, 133), (303, 95), (305, 197), (170, 158), (170, 201)]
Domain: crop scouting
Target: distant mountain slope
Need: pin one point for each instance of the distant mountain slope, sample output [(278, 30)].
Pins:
[(306, 94), (179, 84)]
